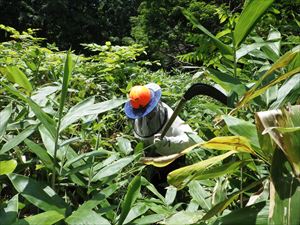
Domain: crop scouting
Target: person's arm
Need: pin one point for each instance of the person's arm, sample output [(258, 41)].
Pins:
[(176, 139)]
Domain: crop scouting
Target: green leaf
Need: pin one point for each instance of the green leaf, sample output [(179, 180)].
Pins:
[(149, 219), (113, 168), (199, 194), (170, 195), (256, 214), (223, 47), (40, 152), (250, 15), (135, 212), (124, 145), (4, 115), (292, 85), (85, 108), (182, 176), (15, 75), (284, 192), (9, 214), (66, 77), (13, 142), (229, 83), (130, 197), (283, 61), (47, 121), (85, 214), (184, 217), (224, 204), (45, 218), (85, 155), (7, 167), (243, 128), (38, 194)]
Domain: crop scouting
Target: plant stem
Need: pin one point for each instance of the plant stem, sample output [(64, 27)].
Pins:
[(93, 159)]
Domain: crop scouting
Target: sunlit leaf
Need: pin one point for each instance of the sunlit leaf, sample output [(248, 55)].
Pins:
[(9, 213), (224, 204), (85, 108), (130, 197), (113, 168), (15, 75), (38, 194), (250, 15), (256, 214), (45, 218), (182, 176), (4, 115), (40, 152), (7, 167), (13, 142)]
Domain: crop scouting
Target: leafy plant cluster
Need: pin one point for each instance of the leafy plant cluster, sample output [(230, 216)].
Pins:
[(67, 154)]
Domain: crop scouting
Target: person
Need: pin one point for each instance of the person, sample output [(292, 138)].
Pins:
[(149, 115)]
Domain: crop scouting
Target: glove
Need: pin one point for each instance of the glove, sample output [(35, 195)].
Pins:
[(160, 142)]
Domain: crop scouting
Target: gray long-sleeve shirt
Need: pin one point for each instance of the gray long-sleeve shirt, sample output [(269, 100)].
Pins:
[(176, 136)]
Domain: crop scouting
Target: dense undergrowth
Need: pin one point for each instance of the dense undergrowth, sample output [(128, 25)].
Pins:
[(68, 156)]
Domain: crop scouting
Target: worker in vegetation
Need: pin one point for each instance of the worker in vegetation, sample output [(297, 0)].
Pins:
[(149, 115)]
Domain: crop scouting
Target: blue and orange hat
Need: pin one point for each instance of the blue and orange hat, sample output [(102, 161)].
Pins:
[(142, 100)]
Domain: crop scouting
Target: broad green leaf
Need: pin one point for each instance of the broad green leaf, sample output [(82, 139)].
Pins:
[(292, 85), (13, 142), (136, 211), (45, 218), (46, 120), (284, 192), (84, 109), (40, 152), (7, 167), (148, 219), (130, 197), (248, 18), (86, 217), (184, 217), (64, 91), (85, 155), (85, 214), (113, 168), (245, 49), (272, 49), (199, 194), (224, 204), (272, 83), (229, 83), (4, 118), (223, 47), (182, 176), (15, 75), (170, 195), (38, 194), (242, 128), (9, 214), (40, 96), (283, 61), (124, 145), (256, 214)]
